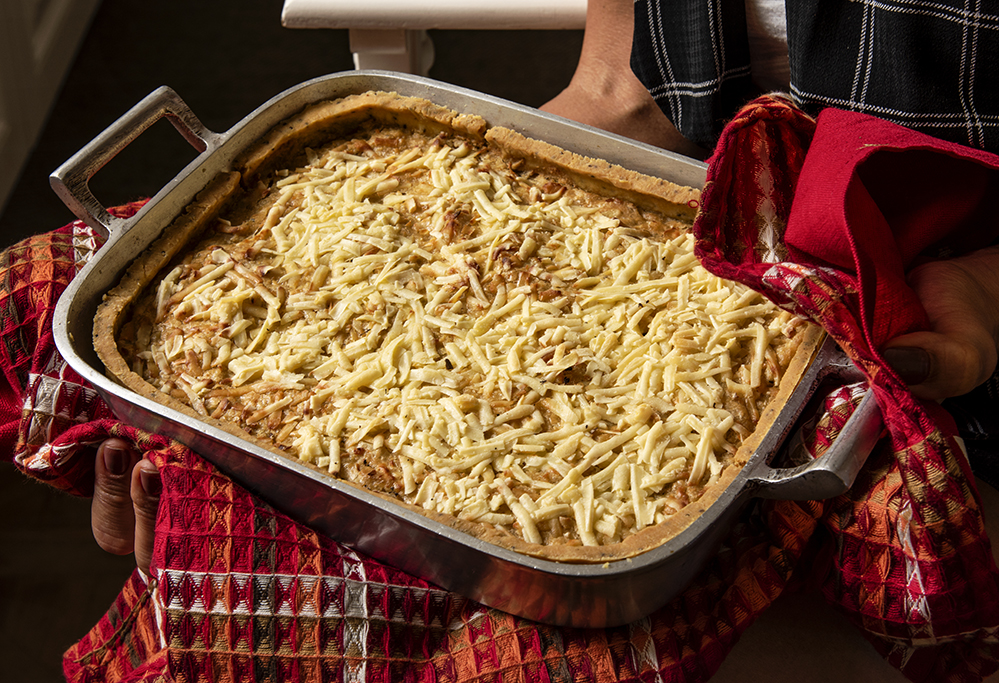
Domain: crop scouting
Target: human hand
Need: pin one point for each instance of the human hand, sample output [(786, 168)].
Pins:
[(126, 498), (959, 351)]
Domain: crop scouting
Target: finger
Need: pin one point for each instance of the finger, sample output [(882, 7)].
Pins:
[(910, 362), (957, 363), (146, 487), (961, 299), (111, 516)]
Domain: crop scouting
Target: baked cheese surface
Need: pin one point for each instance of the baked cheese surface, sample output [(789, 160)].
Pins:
[(430, 317)]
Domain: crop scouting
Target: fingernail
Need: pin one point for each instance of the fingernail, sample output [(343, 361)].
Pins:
[(115, 460), (910, 362), (151, 482)]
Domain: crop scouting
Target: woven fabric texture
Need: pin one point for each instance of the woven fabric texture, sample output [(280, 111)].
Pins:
[(238, 591), (806, 212)]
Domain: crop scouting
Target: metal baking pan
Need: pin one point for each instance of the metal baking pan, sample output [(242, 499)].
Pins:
[(584, 595)]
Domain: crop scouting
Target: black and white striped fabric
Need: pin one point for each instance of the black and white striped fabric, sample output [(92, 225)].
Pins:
[(926, 64)]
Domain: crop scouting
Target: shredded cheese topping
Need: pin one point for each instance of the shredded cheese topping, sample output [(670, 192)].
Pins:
[(491, 344)]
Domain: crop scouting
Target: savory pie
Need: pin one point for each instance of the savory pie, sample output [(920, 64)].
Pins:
[(510, 338)]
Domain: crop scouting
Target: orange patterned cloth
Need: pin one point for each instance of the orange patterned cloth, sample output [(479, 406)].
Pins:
[(240, 592)]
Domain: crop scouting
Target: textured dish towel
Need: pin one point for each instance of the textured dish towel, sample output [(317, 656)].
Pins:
[(240, 592), (825, 217)]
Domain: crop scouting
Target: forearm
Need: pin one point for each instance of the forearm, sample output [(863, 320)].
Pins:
[(604, 92), (607, 41)]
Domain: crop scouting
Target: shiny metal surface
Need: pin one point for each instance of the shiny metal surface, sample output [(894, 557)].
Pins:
[(71, 180), (559, 593)]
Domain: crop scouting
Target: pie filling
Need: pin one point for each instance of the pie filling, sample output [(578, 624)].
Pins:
[(442, 319)]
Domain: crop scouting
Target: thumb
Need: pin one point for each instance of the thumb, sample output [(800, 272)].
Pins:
[(961, 300), (938, 365)]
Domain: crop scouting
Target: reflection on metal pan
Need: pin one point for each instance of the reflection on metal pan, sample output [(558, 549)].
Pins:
[(584, 595)]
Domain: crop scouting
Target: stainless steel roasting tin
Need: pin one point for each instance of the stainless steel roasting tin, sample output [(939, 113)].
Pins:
[(583, 595)]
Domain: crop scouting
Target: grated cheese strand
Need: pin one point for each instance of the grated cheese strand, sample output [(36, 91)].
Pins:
[(484, 344)]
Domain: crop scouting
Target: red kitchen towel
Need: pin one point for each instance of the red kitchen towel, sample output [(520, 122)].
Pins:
[(243, 593), (240, 592), (40, 396), (825, 217)]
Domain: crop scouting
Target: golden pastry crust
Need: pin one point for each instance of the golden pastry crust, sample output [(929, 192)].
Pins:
[(507, 337)]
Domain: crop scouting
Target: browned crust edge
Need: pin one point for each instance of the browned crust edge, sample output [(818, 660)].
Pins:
[(331, 118), (603, 177), (144, 269)]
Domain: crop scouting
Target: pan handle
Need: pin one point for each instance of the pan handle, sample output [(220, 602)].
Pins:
[(71, 181), (834, 472)]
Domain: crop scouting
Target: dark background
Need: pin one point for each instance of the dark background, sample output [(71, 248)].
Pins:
[(224, 58)]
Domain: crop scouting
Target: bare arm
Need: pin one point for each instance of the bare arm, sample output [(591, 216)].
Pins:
[(604, 92)]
